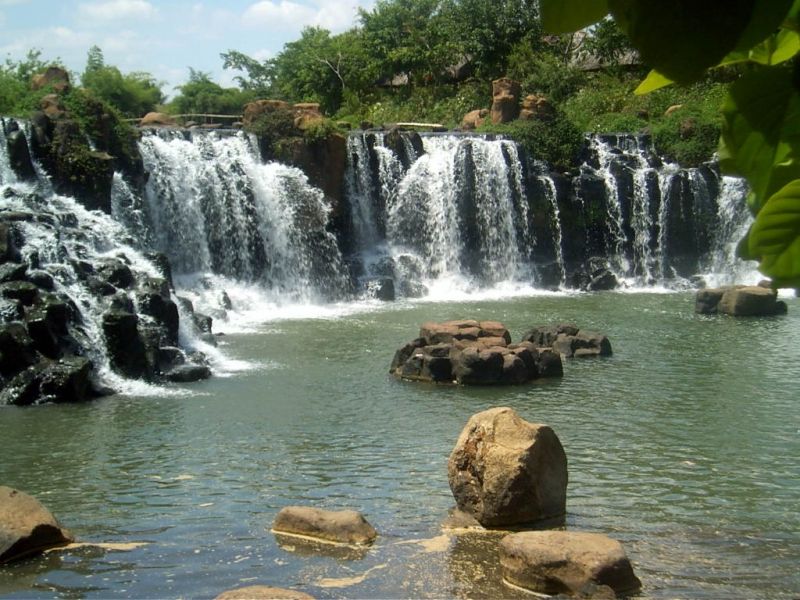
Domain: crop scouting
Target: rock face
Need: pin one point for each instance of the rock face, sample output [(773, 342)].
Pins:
[(505, 471), (263, 592), (343, 527), (472, 352), (505, 100), (26, 527), (739, 301), (564, 562), (55, 77)]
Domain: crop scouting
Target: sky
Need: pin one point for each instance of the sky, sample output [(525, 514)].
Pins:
[(164, 38)]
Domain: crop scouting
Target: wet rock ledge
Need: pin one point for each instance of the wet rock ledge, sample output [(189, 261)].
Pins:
[(470, 352)]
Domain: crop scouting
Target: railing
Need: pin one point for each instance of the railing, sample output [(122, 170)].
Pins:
[(207, 118)]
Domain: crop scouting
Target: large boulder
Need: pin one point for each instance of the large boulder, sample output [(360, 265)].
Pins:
[(157, 119), (569, 341), (505, 100), (57, 78), (536, 107), (750, 301), (126, 351), (474, 119), (27, 527), (263, 592), (343, 526), (566, 562), (65, 380), (17, 350), (505, 471)]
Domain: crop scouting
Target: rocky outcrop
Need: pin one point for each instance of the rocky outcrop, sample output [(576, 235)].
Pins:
[(569, 341), (567, 562), (263, 592), (472, 352), (54, 77), (45, 350), (536, 107), (505, 471), (342, 527), (27, 527), (739, 301), (157, 119), (505, 100), (474, 119)]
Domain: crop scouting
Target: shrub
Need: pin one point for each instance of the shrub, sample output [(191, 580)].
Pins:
[(555, 140)]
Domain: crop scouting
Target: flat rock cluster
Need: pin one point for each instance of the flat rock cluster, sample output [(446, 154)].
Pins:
[(473, 352)]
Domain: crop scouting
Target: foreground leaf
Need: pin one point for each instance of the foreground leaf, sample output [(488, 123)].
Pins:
[(565, 16), (772, 51), (683, 38), (761, 131), (654, 81), (775, 236)]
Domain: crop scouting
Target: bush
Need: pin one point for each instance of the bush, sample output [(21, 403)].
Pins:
[(555, 140)]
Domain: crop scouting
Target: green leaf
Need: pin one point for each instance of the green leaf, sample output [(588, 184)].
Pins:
[(761, 131), (683, 38), (775, 235), (654, 81), (774, 50), (565, 16), (766, 17)]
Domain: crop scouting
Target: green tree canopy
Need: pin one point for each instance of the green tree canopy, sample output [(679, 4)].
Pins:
[(200, 95), (133, 94)]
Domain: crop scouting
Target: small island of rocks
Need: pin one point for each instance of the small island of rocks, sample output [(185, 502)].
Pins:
[(470, 352)]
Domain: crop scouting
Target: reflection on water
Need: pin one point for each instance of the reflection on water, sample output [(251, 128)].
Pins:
[(683, 446)]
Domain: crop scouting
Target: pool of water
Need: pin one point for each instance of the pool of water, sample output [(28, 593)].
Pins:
[(684, 446)]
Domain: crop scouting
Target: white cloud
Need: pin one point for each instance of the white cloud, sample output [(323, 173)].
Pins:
[(282, 14), (279, 15), (117, 10)]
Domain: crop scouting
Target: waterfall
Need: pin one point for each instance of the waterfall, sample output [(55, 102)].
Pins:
[(75, 266), (466, 214), (214, 208), (724, 267), (456, 218)]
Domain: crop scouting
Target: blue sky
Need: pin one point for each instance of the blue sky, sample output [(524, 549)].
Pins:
[(164, 38)]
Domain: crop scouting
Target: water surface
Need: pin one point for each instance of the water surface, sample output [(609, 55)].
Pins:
[(683, 446)]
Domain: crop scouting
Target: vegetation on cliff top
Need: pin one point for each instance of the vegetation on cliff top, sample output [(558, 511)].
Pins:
[(761, 112)]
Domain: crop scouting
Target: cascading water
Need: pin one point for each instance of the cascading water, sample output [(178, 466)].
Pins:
[(457, 218), (214, 208), (724, 267), (70, 268), (466, 215)]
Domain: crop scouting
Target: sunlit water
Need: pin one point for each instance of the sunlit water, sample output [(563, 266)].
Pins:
[(684, 446)]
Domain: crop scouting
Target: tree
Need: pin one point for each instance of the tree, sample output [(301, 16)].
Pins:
[(485, 32), (134, 94), (200, 95), (408, 37), (760, 139)]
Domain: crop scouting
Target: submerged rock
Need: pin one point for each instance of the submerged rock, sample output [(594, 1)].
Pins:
[(27, 527), (263, 592), (506, 471), (567, 562), (343, 527)]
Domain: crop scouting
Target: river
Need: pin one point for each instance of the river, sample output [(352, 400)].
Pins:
[(683, 446)]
